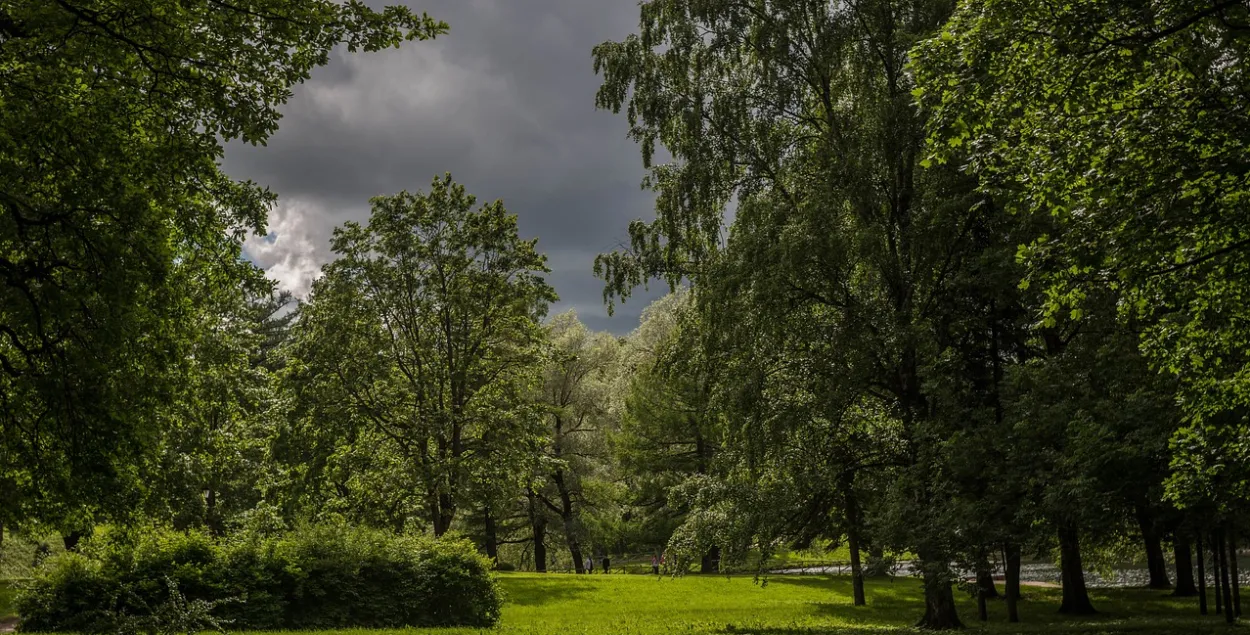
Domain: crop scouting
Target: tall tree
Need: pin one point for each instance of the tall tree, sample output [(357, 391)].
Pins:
[(1124, 122), (576, 390), (427, 325), (668, 431), (802, 112), (114, 213)]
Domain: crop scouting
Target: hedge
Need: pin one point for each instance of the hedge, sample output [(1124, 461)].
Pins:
[(317, 577)]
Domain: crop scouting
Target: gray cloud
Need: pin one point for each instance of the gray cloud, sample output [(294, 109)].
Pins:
[(505, 102)]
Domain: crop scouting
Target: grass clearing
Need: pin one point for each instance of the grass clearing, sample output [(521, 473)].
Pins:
[(554, 604)]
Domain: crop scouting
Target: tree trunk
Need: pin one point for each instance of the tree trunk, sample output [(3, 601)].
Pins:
[(857, 569), (985, 583), (442, 512), (1184, 567), (538, 523), (1215, 573), (72, 539), (570, 521), (1234, 572), (1075, 596), (939, 601), (1224, 582), (1011, 584), (1155, 563), (491, 536), (1202, 574), (710, 562), (853, 526)]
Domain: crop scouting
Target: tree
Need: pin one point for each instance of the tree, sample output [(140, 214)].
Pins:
[(427, 326), (802, 113), (1121, 121), (576, 393), (114, 213), (211, 460), (668, 427)]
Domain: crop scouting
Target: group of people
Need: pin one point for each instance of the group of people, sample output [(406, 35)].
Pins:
[(590, 564)]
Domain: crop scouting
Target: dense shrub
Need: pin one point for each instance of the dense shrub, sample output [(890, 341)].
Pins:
[(327, 576)]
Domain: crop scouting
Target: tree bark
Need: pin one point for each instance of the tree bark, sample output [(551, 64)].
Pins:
[(1075, 595), (1224, 582), (442, 513), (985, 583), (1215, 573), (1184, 566), (538, 523), (570, 521), (859, 598), (940, 613), (1155, 562), (853, 526), (1202, 574), (1012, 581), (1234, 572), (491, 536)]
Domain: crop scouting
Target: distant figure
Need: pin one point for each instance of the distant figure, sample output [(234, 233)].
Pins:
[(590, 565), (606, 563), (655, 565)]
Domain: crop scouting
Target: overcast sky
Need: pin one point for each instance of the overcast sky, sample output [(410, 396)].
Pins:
[(505, 102)]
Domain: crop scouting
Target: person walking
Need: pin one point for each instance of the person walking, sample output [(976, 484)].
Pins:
[(606, 563), (590, 565), (655, 564)]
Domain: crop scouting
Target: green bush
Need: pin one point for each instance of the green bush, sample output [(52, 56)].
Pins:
[(317, 577)]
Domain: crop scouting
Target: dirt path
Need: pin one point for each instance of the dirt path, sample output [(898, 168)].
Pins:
[(8, 624)]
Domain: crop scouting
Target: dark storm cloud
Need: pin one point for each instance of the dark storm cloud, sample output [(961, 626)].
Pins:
[(505, 102)]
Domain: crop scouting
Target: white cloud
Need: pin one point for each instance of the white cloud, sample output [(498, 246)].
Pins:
[(296, 247)]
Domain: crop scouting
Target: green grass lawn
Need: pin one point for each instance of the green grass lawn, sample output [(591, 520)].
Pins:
[(7, 593), (797, 605)]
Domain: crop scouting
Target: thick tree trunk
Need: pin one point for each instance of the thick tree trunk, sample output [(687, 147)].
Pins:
[(570, 521), (1185, 587), (1075, 595), (1011, 583), (491, 536), (710, 562), (985, 583), (1224, 582), (1202, 574), (1155, 562), (442, 513), (939, 602), (1234, 572), (538, 525), (575, 551)]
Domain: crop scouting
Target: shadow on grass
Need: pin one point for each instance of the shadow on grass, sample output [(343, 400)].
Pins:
[(893, 608), (545, 591)]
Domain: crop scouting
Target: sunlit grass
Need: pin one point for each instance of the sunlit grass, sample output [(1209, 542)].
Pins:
[(797, 605)]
